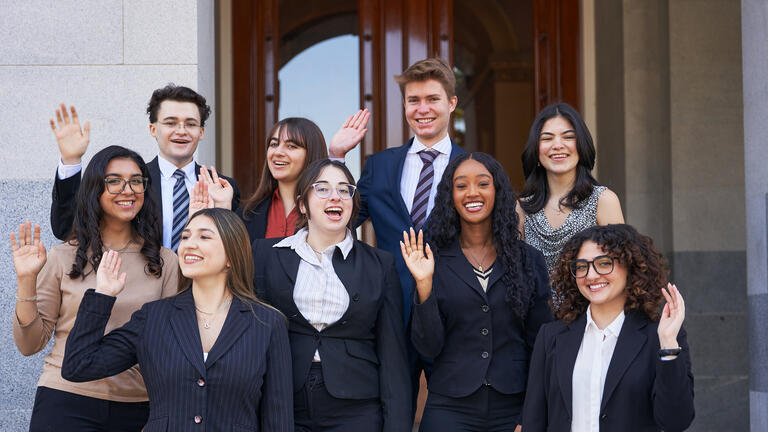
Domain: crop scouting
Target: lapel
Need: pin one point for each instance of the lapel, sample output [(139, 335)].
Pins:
[(184, 325), (346, 270), (567, 346), (455, 150), (631, 340), (497, 273), (289, 261), (259, 215), (197, 170), (156, 188), (235, 324), (400, 155), (459, 265)]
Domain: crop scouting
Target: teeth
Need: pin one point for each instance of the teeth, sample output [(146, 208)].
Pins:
[(192, 258), (424, 120), (559, 156), (333, 209), (597, 286), (125, 203), (474, 204), (280, 163)]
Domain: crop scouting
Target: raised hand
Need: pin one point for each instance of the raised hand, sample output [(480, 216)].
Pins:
[(200, 198), (29, 254), (73, 142), (351, 133), (218, 188), (109, 280), (672, 317), (420, 262)]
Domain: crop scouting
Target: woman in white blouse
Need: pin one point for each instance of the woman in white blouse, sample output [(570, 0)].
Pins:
[(611, 362), (344, 306)]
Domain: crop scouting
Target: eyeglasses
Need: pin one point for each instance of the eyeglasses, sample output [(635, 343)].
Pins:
[(602, 264), (190, 126), (324, 189), (116, 185)]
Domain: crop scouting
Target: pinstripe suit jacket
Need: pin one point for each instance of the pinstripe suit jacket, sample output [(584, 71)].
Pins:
[(244, 385)]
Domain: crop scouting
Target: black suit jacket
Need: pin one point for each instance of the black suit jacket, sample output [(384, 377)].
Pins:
[(64, 191), (473, 335), (256, 219), (363, 353), (641, 393), (244, 385)]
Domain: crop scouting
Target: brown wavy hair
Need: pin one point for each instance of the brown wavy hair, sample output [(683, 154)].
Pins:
[(646, 271)]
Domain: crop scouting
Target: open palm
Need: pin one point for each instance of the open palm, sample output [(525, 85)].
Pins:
[(109, 280), (419, 259), (672, 317), (72, 140), (29, 254)]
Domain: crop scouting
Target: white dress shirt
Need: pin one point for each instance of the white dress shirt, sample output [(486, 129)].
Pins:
[(412, 171), (67, 171), (589, 372), (318, 293), (167, 182)]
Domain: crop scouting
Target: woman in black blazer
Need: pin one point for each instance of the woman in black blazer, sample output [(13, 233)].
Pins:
[(480, 300), (212, 355), (344, 307), (612, 361)]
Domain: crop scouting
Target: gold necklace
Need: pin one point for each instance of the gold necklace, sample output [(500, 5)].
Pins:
[(480, 263), (206, 322)]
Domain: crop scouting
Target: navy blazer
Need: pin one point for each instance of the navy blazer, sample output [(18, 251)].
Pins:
[(641, 393), (379, 189), (256, 218), (363, 353), (244, 385), (63, 201), (473, 335)]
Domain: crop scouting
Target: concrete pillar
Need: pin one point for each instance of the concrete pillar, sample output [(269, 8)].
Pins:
[(754, 37)]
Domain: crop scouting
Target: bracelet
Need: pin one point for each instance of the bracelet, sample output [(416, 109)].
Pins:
[(25, 299)]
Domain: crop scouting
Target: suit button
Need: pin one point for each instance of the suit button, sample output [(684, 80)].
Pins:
[(484, 308), (484, 354), (200, 382), (603, 417), (198, 419), (317, 336), (355, 297), (344, 322), (484, 332)]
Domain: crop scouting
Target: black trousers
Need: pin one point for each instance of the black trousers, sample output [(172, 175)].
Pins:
[(484, 410), (315, 410), (60, 411)]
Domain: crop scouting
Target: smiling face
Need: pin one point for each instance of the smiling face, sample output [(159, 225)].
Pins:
[(473, 192), (428, 110), (557, 146), (122, 207), (285, 158), (603, 291), (201, 251), (329, 215), (177, 131)]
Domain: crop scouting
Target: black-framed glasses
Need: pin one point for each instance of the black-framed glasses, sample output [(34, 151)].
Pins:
[(323, 189), (116, 185), (602, 264)]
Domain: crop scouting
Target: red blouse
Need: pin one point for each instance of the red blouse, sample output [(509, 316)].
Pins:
[(278, 225)]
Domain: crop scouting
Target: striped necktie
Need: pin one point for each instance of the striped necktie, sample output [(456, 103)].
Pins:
[(180, 208), (421, 197)]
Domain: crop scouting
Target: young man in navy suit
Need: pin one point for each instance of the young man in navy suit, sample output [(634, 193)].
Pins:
[(398, 185), (177, 118)]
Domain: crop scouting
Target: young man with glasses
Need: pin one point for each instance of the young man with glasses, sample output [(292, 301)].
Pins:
[(177, 118)]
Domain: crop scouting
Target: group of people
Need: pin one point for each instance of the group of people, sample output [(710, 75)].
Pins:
[(174, 306)]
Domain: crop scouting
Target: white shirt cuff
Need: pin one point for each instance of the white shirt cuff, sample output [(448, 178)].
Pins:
[(337, 159), (67, 171)]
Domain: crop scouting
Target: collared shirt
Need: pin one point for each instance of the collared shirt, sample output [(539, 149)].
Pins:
[(412, 170), (67, 171), (589, 372), (167, 182), (318, 293), (279, 225)]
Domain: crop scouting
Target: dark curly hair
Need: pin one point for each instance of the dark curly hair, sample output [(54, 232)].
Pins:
[(86, 233), (444, 227), (178, 94), (646, 271), (536, 190)]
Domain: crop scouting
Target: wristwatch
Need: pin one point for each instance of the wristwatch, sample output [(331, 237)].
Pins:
[(669, 352)]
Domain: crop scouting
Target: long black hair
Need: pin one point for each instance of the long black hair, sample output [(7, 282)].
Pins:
[(445, 226), (536, 190), (86, 233)]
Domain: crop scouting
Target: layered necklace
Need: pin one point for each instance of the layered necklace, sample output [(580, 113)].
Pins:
[(207, 318)]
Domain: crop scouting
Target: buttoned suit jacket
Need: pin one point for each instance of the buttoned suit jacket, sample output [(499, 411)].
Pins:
[(244, 385), (382, 202), (362, 354), (642, 393), (63, 203)]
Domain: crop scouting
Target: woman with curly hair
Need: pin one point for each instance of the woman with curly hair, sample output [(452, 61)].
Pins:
[(112, 213), (560, 196), (614, 360), (481, 298)]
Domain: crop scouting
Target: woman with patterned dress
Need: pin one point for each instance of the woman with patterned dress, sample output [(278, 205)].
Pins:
[(560, 197)]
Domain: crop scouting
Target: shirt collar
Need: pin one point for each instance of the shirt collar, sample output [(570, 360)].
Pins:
[(167, 169), (298, 241), (443, 146), (614, 328)]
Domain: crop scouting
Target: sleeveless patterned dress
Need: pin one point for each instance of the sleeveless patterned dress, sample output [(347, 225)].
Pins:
[(540, 234)]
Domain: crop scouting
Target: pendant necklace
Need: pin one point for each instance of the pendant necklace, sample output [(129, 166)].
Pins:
[(206, 321), (474, 258)]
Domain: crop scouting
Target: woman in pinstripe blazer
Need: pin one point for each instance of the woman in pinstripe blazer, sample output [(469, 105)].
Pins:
[(212, 355)]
